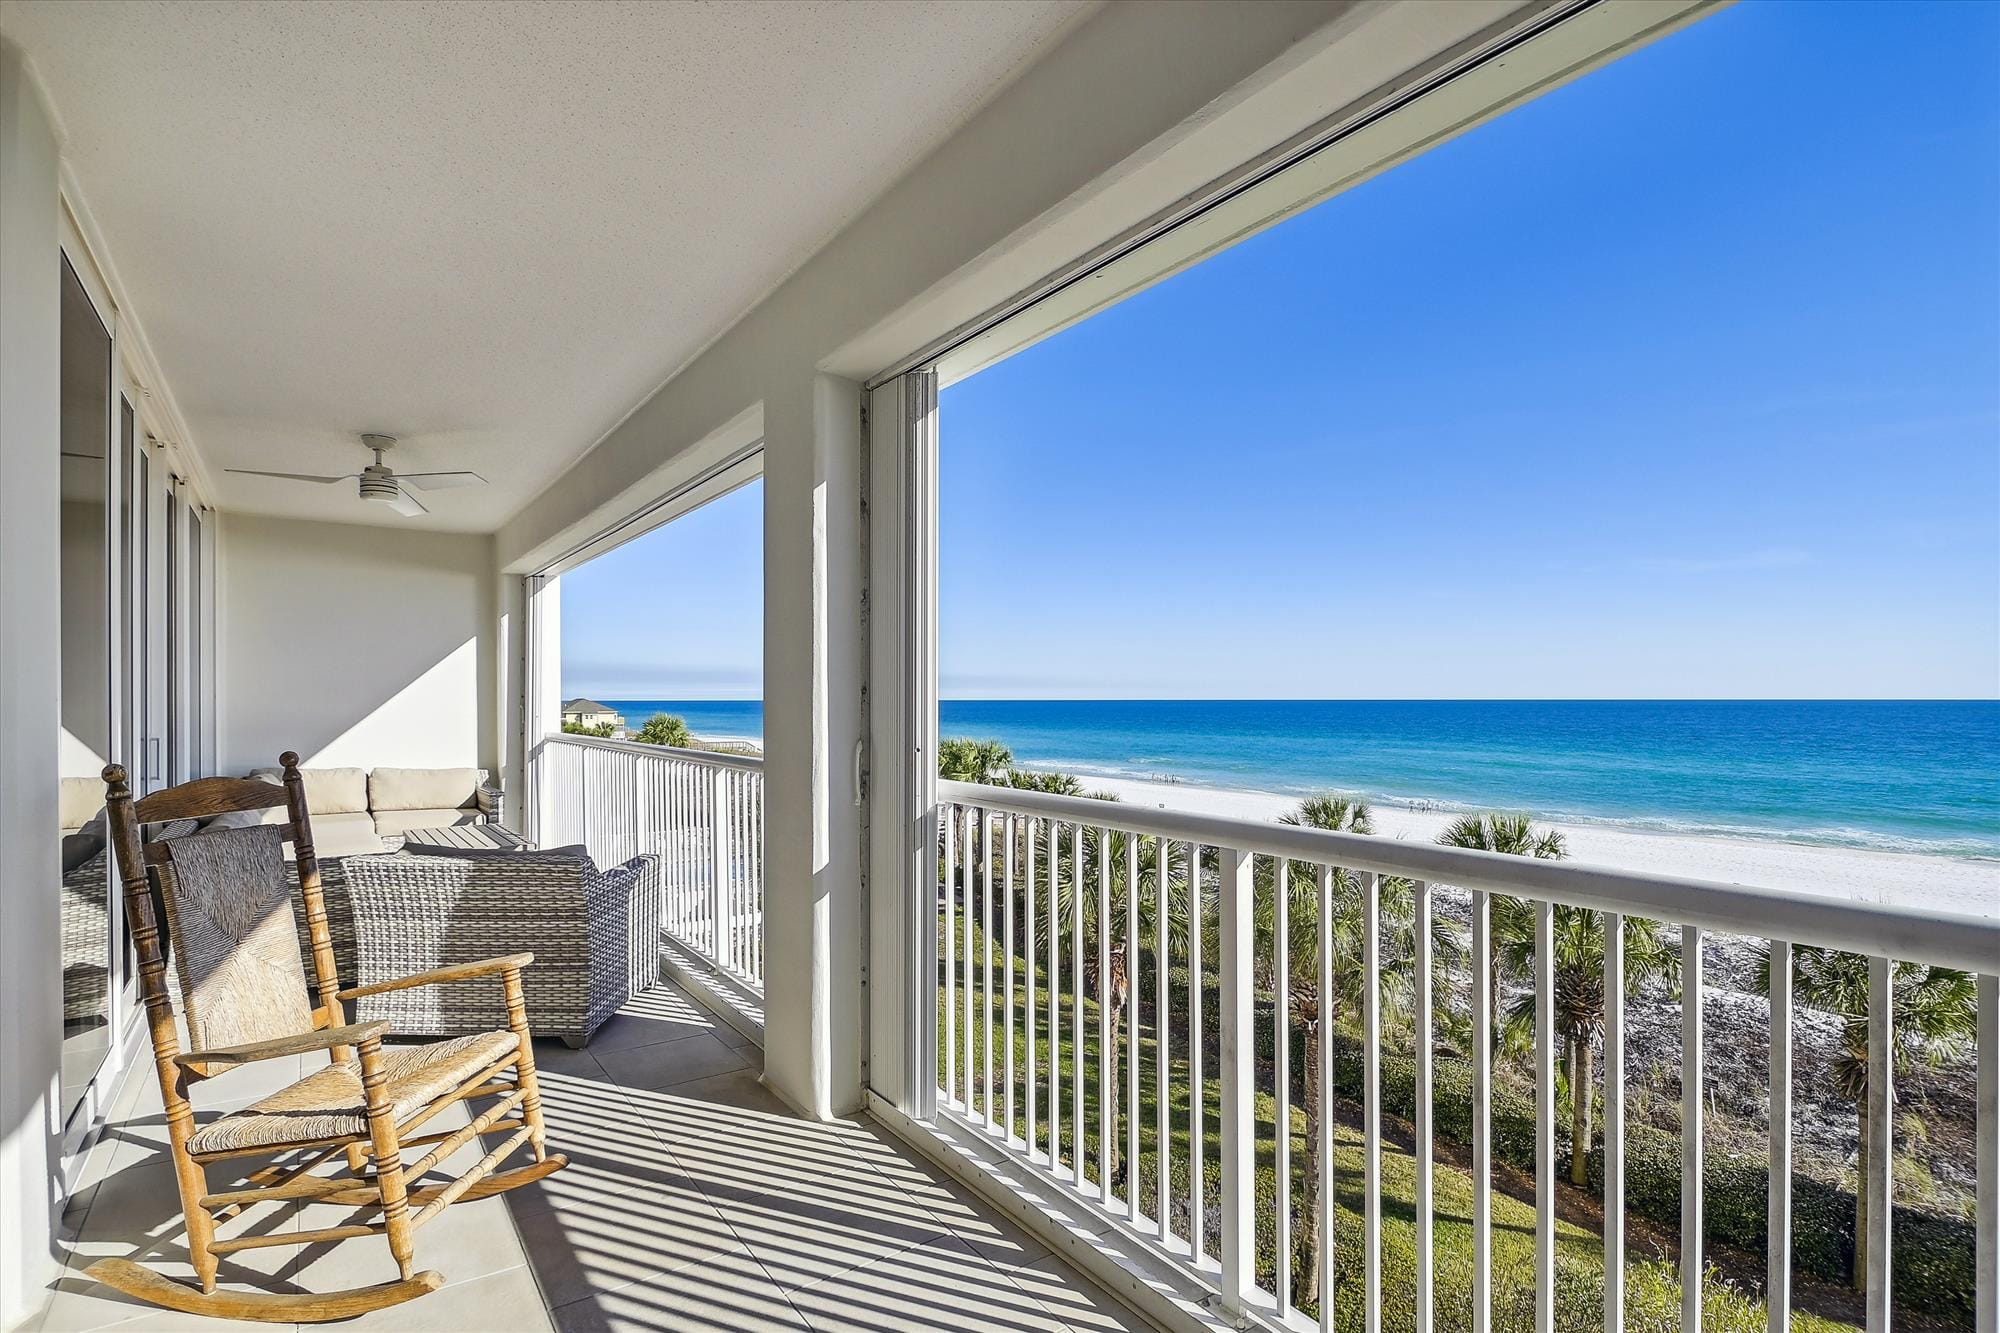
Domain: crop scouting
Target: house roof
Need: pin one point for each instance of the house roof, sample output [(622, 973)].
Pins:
[(586, 706)]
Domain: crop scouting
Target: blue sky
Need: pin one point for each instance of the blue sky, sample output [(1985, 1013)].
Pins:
[(1682, 381), (677, 614)]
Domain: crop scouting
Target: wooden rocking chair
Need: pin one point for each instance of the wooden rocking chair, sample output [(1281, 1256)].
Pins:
[(229, 908)]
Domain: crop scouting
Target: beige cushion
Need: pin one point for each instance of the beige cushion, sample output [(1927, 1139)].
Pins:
[(422, 788), (81, 801), (402, 821), (329, 791), (344, 835)]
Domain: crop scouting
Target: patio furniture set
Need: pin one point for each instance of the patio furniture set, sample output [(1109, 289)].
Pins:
[(403, 943)]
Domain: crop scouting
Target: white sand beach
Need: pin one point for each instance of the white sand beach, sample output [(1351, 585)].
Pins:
[(1947, 884)]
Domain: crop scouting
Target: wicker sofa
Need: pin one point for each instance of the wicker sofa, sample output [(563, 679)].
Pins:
[(594, 934)]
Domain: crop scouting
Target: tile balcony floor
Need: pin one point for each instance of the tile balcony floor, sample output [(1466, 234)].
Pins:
[(693, 1200)]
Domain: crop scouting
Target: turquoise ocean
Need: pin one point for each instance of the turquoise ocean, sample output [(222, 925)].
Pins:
[(1891, 775)]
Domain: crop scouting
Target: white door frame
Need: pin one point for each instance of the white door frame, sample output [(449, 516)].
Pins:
[(903, 720)]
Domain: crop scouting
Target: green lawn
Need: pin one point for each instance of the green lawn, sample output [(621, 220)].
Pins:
[(1652, 1286)]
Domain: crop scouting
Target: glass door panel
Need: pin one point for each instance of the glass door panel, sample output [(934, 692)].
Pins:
[(84, 740)]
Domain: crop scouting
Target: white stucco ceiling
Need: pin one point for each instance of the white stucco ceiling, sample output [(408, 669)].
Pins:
[(488, 229)]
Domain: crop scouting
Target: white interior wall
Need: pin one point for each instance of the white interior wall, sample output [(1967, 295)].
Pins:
[(30, 695), (356, 646)]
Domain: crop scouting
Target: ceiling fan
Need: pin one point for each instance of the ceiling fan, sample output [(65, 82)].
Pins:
[(379, 483)]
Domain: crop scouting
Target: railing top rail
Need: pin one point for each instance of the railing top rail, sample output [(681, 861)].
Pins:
[(749, 762), (1881, 929)]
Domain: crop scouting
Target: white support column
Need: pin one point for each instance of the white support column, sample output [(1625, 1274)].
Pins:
[(541, 712), (1239, 1080), (813, 660), (30, 503)]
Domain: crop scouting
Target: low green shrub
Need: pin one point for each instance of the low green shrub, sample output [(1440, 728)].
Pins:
[(1932, 1253)]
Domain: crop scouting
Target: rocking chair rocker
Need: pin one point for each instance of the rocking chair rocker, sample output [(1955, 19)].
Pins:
[(229, 909)]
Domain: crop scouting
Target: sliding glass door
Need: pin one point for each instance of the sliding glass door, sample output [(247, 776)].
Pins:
[(85, 739)]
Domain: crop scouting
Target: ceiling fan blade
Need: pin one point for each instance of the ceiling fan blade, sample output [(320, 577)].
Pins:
[(441, 481), (408, 505), (288, 476)]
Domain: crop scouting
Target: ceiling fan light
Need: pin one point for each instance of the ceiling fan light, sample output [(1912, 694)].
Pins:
[(379, 486)]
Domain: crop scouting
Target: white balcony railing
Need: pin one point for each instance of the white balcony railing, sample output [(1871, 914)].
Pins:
[(1046, 953), (702, 814)]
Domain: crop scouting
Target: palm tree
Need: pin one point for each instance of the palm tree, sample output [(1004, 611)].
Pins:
[(962, 759), (1055, 784), (1578, 963), (1158, 891), (665, 729), (1933, 1014), (1397, 906), (1515, 835), (1579, 973)]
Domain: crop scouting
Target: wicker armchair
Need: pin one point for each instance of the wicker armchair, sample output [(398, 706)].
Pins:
[(594, 934)]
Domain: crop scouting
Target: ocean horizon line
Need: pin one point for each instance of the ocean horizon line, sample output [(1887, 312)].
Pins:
[(1901, 775)]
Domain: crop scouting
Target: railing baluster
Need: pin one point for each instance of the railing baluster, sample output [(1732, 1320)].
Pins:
[(948, 899), (1614, 1123), (1545, 1117), (1986, 1227), (1234, 887), (1132, 1028), (1007, 990), (1197, 1149), (1423, 1002), (1692, 1081), (1482, 1112), (966, 887), (1778, 1236), (684, 829), (1323, 1099), (739, 860), (1028, 983), (1163, 1146), (1281, 1058), (1055, 1000), (986, 822), (718, 862), (1371, 1099), (738, 884), (1107, 1058), (1079, 1155), (1878, 1153)]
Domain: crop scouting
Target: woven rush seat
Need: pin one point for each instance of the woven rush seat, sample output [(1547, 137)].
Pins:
[(329, 1104)]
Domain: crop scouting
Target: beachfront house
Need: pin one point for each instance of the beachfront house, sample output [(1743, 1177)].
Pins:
[(589, 713), (332, 339)]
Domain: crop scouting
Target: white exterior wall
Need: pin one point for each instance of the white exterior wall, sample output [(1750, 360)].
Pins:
[(357, 646), (30, 700)]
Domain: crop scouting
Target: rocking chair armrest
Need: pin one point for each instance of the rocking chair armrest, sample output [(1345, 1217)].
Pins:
[(353, 1034), (512, 962)]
